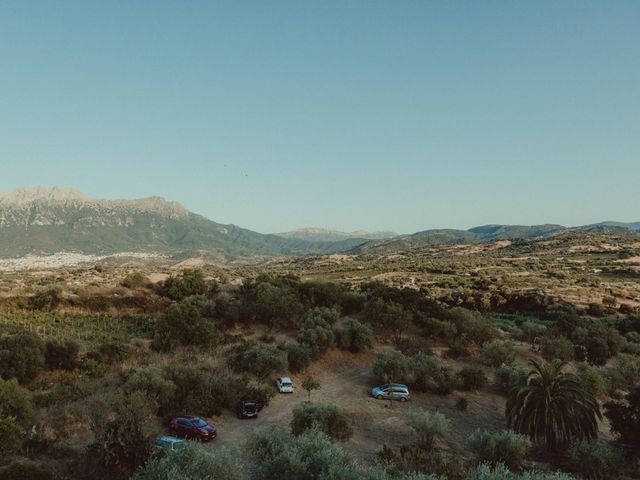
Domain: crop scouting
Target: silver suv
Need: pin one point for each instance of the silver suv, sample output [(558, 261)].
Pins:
[(393, 391)]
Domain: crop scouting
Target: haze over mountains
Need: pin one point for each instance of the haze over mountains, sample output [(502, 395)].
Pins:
[(41, 220)]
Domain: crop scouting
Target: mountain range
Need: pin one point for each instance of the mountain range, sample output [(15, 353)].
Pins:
[(43, 220)]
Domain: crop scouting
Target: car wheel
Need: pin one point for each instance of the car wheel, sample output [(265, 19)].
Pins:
[(173, 433), (403, 399), (379, 397)]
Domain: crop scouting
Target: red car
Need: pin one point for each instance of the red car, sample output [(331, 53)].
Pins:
[(192, 427)]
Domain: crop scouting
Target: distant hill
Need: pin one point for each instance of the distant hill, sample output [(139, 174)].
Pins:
[(488, 233), (49, 220), (325, 235)]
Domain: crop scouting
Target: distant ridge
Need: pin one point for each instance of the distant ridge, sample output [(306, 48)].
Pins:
[(315, 234)]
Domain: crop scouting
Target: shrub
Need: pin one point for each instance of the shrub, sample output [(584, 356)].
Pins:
[(152, 382), (624, 418), (194, 462), (497, 353), (557, 347), (309, 384), (505, 447), (134, 280), (391, 367), (592, 379), (597, 460), (21, 357), (16, 402), (47, 299), (428, 426), (183, 324), (471, 378), (458, 348), (316, 334), (353, 335), (63, 355), (110, 353), (472, 325), (329, 419), (11, 436), (462, 404), (299, 356), (258, 359), (388, 315), (508, 376), (501, 472), (186, 284), (531, 330), (24, 469), (429, 375)]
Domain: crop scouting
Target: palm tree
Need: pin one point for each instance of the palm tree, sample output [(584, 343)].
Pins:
[(552, 406)]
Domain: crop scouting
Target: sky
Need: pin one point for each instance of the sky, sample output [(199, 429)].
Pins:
[(399, 115)]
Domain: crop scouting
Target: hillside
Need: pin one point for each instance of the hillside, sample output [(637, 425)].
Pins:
[(325, 235), (49, 220)]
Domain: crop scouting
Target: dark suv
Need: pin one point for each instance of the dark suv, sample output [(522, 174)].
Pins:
[(248, 409), (192, 427)]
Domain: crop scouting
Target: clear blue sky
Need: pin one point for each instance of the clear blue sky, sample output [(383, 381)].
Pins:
[(274, 115)]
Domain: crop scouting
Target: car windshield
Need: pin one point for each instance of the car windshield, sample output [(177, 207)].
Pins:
[(286, 384), (198, 422)]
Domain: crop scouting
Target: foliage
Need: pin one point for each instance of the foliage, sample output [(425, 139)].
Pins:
[(329, 419), (471, 378), (16, 401), (136, 280), (434, 464), (624, 418), (193, 462), (430, 375), (11, 436), (387, 315), (21, 356), (592, 379), (496, 353), (258, 359), (501, 472), (153, 383), (458, 348), (462, 404), (274, 301), (187, 283), (184, 324), (505, 447), (595, 460), (391, 367), (509, 376), (353, 335), (316, 332), (553, 406), (24, 469), (61, 354), (472, 325), (46, 300), (428, 427), (557, 347), (299, 356), (309, 384)]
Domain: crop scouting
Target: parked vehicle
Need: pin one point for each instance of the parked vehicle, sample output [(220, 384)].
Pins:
[(393, 391), (248, 409), (192, 427), (284, 385), (169, 443)]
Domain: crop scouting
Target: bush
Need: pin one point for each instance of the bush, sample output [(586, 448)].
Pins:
[(592, 379), (458, 348), (471, 378), (531, 330), (188, 283), (16, 402), (509, 376), (329, 419), (429, 375), (183, 324), (21, 357), (134, 280), (194, 462), (258, 359), (110, 353), (152, 382), (11, 436), (557, 347), (63, 355), (299, 356), (501, 472), (47, 299), (505, 447), (462, 404), (316, 332), (472, 325), (497, 353), (24, 469), (624, 418), (596, 460), (391, 367), (353, 335), (428, 426)]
